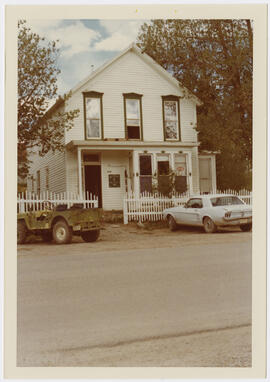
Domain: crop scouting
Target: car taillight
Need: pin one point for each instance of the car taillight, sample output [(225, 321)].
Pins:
[(227, 214)]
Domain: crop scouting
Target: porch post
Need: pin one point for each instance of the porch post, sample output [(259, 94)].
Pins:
[(135, 160), (190, 171), (79, 152), (214, 174)]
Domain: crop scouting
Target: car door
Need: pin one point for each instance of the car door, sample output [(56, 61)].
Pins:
[(190, 214)]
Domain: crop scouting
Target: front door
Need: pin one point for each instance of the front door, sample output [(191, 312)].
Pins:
[(205, 175), (93, 181)]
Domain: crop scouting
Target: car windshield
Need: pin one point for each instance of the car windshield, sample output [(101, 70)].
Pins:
[(225, 201)]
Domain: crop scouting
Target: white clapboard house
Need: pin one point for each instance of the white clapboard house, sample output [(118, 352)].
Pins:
[(136, 121)]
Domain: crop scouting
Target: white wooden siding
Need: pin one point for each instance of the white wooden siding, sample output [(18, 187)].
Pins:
[(57, 171), (113, 163), (72, 171), (131, 74)]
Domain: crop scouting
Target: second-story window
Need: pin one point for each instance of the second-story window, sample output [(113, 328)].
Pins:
[(171, 118), (93, 115), (133, 115)]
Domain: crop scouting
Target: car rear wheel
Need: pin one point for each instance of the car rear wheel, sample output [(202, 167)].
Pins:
[(172, 223), (62, 233), (246, 227), (90, 236), (209, 225), (21, 232)]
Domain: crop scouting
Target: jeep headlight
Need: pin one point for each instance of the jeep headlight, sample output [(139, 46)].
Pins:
[(228, 214)]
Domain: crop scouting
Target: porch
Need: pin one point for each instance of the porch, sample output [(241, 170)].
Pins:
[(112, 169)]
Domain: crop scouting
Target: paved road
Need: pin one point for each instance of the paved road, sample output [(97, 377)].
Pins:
[(179, 306)]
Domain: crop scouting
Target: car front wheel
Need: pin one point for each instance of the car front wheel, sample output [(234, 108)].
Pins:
[(90, 236), (62, 233), (246, 227), (172, 223), (209, 225)]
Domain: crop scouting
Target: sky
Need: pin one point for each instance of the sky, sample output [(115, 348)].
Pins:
[(85, 44)]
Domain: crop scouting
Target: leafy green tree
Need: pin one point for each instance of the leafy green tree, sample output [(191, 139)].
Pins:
[(213, 59), (37, 85)]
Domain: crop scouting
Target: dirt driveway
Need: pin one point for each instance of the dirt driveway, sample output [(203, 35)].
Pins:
[(131, 236)]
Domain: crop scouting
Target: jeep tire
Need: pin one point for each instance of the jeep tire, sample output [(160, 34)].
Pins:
[(21, 232), (62, 233), (90, 236)]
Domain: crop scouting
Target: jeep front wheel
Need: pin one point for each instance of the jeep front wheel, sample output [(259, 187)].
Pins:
[(90, 236), (21, 232), (62, 233)]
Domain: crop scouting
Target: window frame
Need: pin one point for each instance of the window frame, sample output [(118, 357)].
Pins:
[(47, 178), (177, 100), (98, 95), (38, 182), (152, 170), (137, 96)]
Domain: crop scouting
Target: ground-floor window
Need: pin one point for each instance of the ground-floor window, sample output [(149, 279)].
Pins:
[(165, 184), (180, 164), (145, 173)]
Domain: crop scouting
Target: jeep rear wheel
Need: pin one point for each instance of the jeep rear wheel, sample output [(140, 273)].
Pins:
[(90, 236), (62, 233), (21, 232)]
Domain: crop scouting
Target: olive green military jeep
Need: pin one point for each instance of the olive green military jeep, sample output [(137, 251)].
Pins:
[(60, 224)]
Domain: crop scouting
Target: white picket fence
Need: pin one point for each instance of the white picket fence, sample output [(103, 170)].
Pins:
[(28, 201), (150, 207)]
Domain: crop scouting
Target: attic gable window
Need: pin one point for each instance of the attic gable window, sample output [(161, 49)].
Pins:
[(133, 115), (171, 118), (93, 115)]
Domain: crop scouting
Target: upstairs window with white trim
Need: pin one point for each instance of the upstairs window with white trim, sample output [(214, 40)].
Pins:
[(133, 115), (171, 118), (93, 115)]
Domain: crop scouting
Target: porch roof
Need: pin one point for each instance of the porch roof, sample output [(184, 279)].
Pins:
[(127, 145)]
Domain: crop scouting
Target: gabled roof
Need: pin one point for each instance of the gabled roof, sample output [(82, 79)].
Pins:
[(149, 60)]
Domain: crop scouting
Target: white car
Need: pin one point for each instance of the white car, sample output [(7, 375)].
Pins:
[(211, 212)]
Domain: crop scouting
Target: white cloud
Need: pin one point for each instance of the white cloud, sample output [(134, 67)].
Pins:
[(42, 26), (123, 33), (73, 38)]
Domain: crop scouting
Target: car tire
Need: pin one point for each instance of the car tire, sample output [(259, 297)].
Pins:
[(172, 223), (21, 232), (209, 225), (246, 227), (62, 233), (90, 236), (47, 236)]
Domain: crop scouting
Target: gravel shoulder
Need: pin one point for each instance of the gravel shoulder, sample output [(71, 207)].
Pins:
[(122, 237)]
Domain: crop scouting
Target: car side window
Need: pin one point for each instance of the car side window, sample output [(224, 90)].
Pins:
[(194, 203)]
